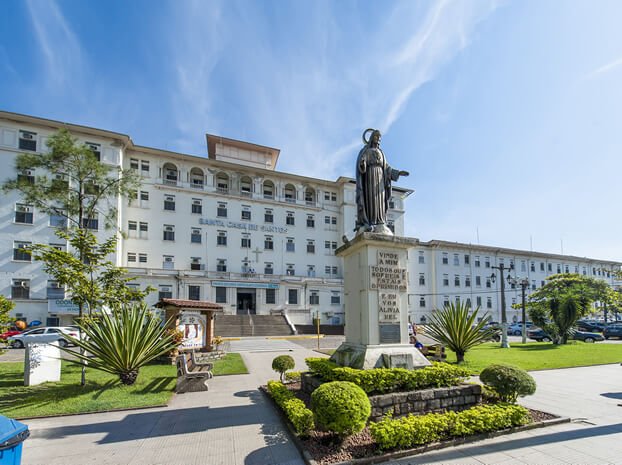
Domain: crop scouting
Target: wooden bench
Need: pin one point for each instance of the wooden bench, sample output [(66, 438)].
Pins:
[(191, 377), (435, 352), (201, 363)]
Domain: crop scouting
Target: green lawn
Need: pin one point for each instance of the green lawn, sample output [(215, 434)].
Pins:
[(103, 391), (230, 364), (540, 355)]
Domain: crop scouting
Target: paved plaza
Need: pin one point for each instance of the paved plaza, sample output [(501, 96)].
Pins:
[(233, 423)]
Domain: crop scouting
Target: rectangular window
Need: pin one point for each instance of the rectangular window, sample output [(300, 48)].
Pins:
[(523, 265), (487, 262), (478, 301), (23, 213), (335, 270), (270, 296), (478, 281), (477, 263), (27, 141), (195, 236), (169, 202), (327, 220), (310, 246), (142, 258), (268, 268), (144, 167), (445, 258), (445, 280), (168, 262), (550, 267), (221, 265), (268, 243), (488, 302), (333, 220), (194, 292), (96, 150), (165, 292), (246, 241), (327, 270), (90, 223), (333, 245), (467, 259), (327, 245), (197, 206), (221, 295), (421, 279), (467, 281), (335, 298), (314, 297), (21, 251), (195, 263), (421, 257), (541, 266), (488, 283), (221, 211), (456, 260), (457, 281), (144, 197), (55, 291), (246, 213), (445, 300), (533, 284), (292, 296), (221, 238), (58, 220), (132, 227), (310, 221), (131, 257), (290, 219), (268, 217), (26, 176), (422, 302), (290, 246), (143, 229), (290, 271), (559, 268), (134, 164), (168, 234), (311, 271)]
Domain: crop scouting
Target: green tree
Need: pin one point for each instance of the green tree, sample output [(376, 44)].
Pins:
[(454, 327), (5, 307), (565, 298), (70, 183)]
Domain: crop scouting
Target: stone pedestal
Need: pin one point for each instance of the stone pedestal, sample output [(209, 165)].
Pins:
[(376, 304)]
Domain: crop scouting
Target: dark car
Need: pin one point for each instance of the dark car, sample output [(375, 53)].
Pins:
[(613, 330), (540, 335), (496, 336), (593, 326)]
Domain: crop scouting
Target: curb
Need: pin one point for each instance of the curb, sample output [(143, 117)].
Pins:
[(130, 409), (408, 452)]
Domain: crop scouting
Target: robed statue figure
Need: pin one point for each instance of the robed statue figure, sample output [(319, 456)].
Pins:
[(373, 186)]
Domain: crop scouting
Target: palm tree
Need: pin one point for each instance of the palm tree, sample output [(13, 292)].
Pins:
[(456, 329), (121, 342)]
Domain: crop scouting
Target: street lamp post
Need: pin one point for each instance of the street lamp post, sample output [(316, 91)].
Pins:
[(504, 321), (523, 283)]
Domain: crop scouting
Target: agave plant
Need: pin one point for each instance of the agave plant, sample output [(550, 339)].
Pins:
[(121, 342), (456, 329)]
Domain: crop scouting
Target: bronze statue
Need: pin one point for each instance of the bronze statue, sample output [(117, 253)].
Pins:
[(373, 186)]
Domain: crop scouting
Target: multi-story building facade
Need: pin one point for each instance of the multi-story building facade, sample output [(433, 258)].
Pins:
[(230, 228)]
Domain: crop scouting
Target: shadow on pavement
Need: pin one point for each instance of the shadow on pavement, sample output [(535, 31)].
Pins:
[(612, 395)]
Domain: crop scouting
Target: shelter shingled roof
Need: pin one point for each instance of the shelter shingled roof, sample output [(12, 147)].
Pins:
[(198, 304)]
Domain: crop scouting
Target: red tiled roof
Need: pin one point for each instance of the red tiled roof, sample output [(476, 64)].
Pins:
[(198, 304)]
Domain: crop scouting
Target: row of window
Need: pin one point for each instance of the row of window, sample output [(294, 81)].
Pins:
[(194, 293), (27, 140), (24, 214), (467, 281), (523, 264), (20, 289)]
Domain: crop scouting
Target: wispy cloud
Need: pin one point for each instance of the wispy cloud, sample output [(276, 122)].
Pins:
[(300, 91), (58, 44), (605, 69)]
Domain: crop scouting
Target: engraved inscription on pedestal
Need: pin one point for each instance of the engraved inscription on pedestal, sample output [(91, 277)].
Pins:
[(388, 274), (388, 308), (389, 334)]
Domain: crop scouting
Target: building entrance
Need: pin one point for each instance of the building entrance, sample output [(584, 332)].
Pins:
[(246, 302)]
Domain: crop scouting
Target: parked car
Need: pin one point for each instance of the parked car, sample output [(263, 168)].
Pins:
[(613, 330), (591, 325), (19, 341), (496, 337), (11, 332), (540, 335), (516, 329)]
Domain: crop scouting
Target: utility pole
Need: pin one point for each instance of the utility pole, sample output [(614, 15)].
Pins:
[(504, 320), (523, 283)]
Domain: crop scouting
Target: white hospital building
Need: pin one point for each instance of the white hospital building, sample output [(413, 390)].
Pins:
[(230, 228)]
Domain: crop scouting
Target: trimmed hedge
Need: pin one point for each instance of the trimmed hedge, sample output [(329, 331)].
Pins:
[(340, 407), (508, 381), (415, 430), (382, 380), (297, 413)]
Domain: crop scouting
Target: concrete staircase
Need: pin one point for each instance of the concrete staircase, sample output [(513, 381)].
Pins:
[(251, 325)]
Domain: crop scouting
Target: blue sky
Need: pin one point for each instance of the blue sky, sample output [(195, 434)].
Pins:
[(507, 114)]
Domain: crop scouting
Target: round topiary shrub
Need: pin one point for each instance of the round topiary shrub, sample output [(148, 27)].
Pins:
[(508, 381), (282, 363), (340, 407)]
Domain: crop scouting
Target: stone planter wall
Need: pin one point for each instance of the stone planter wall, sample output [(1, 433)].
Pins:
[(417, 402)]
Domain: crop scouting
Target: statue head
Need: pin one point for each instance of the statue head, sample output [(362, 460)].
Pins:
[(374, 138)]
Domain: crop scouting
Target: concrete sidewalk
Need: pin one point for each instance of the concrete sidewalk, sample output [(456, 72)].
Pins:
[(233, 424)]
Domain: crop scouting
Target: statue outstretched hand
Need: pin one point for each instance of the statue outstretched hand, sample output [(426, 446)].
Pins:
[(404, 173)]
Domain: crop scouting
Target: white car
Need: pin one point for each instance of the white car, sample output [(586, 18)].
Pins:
[(43, 335)]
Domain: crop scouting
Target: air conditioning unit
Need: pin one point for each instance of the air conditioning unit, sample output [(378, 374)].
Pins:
[(168, 259), (169, 198), (27, 135), (169, 229), (29, 172), (196, 202), (24, 209), (22, 283)]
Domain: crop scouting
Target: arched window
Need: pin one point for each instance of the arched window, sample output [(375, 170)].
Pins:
[(268, 189), (290, 193), (246, 186), (170, 174), (310, 196), (222, 183), (196, 178)]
